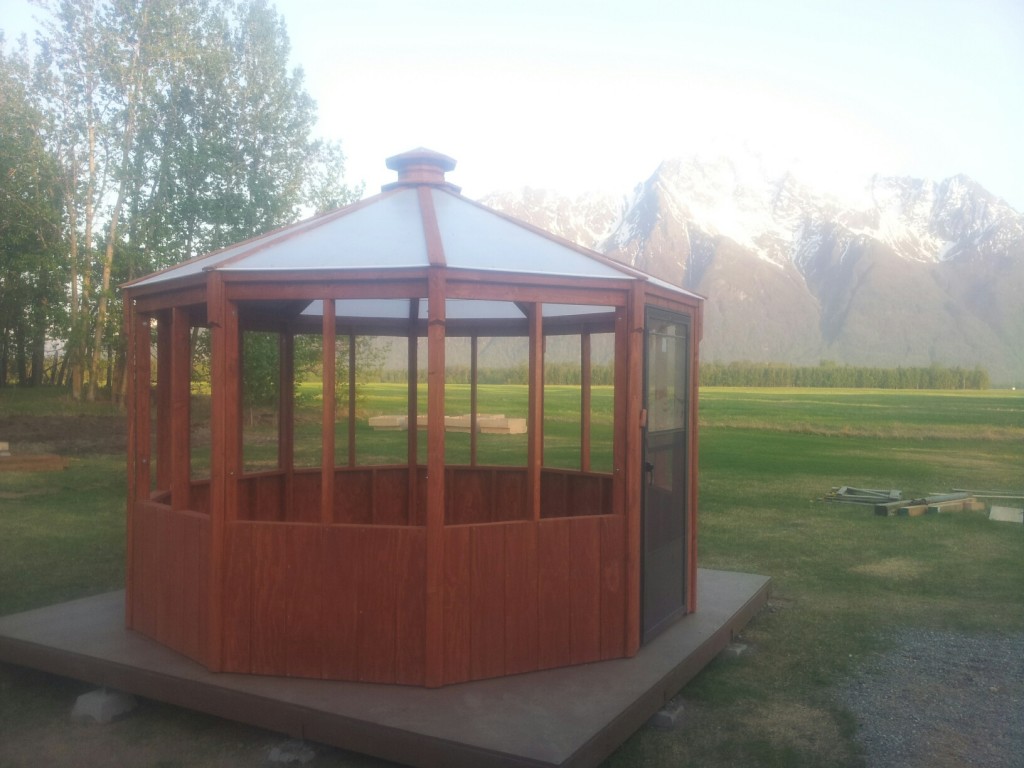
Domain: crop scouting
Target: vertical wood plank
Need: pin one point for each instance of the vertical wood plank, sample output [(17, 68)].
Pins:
[(521, 612), (613, 587), (238, 604), (510, 492), (377, 605), (353, 497), (487, 602), (269, 637), (554, 583), (457, 596), (191, 610), (390, 496), (585, 589), (340, 602), (146, 543), (410, 650), (304, 569)]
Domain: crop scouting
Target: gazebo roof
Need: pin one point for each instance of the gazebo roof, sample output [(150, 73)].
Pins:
[(418, 221)]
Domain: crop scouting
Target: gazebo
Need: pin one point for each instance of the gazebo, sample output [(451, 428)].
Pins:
[(441, 542)]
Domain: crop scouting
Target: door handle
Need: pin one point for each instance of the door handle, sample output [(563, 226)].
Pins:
[(649, 469)]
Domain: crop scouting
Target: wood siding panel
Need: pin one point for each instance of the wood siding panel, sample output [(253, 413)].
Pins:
[(195, 530), (340, 602), (613, 587), (171, 565), (305, 501), (554, 583), (553, 494), (353, 498), (238, 603), (377, 604), (147, 537), (510, 494), (487, 602), (456, 604), (410, 663), (269, 633), (521, 639), (390, 496), (304, 576), (585, 590), (468, 497), (589, 495)]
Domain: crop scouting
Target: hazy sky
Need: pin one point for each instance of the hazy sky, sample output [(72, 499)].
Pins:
[(577, 95)]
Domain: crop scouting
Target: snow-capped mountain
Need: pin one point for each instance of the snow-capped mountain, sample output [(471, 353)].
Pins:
[(910, 272)]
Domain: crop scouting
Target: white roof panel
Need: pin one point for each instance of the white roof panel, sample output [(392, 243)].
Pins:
[(387, 234), (476, 238)]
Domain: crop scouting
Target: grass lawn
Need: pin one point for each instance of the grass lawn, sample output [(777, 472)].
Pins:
[(843, 578)]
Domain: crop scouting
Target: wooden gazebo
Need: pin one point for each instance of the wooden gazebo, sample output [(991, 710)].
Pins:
[(442, 566)]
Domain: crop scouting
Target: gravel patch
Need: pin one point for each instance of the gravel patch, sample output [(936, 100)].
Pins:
[(941, 699)]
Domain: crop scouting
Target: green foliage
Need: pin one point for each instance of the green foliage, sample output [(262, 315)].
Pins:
[(31, 271), (829, 374), (179, 129)]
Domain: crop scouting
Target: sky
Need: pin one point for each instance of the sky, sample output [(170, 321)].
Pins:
[(577, 96)]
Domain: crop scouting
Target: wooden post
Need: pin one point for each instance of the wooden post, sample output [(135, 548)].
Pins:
[(327, 416), (472, 399), (181, 380), (634, 470), (535, 420), (138, 458), (351, 399), (225, 453), (286, 416), (163, 401), (435, 479), (691, 556), (412, 408), (585, 374)]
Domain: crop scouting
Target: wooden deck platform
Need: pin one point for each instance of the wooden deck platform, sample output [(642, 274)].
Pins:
[(573, 716)]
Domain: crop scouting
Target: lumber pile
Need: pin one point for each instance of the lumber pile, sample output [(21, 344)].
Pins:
[(32, 462), (889, 503)]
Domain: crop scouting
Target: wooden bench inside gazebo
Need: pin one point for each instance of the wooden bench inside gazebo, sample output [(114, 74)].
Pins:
[(455, 558)]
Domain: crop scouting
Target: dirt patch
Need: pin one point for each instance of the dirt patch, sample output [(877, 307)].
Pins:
[(812, 731), (65, 435)]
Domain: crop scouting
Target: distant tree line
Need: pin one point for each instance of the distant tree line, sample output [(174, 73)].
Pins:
[(741, 374), (830, 374)]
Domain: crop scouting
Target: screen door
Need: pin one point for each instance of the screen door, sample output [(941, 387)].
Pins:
[(665, 494)]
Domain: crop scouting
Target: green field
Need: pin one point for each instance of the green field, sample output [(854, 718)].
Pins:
[(842, 577)]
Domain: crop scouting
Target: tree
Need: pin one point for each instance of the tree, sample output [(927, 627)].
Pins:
[(31, 277), (179, 130)]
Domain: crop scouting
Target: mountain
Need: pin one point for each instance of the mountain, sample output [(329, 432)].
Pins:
[(910, 273)]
